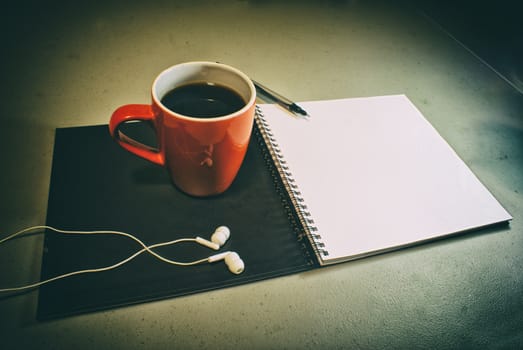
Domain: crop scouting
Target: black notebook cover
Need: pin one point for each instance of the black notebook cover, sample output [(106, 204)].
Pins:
[(96, 185)]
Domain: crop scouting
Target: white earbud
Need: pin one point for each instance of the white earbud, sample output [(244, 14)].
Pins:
[(232, 260), (221, 235), (218, 238)]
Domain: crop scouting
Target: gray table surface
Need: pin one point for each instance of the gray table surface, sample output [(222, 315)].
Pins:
[(70, 65)]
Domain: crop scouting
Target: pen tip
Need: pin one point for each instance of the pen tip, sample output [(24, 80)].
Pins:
[(301, 111)]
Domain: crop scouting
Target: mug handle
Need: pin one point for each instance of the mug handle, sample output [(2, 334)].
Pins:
[(137, 112)]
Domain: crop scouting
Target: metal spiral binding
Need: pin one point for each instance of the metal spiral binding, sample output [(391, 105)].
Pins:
[(290, 185)]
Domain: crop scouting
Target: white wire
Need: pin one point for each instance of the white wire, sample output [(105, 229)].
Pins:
[(134, 238), (106, 268)]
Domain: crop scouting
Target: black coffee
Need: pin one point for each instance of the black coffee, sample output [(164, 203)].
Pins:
[(203, 100)]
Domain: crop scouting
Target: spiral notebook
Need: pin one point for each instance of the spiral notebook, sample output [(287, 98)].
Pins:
[(370, 175), (360, 177)]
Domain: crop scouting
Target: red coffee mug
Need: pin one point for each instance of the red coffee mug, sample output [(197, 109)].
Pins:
[(202, 155)]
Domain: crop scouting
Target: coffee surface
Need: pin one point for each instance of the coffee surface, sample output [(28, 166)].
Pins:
[(203, 100)]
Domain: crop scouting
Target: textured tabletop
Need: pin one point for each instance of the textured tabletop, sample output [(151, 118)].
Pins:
[(68, 65)]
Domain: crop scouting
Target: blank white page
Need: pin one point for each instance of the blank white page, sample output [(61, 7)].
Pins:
[(375, 175)]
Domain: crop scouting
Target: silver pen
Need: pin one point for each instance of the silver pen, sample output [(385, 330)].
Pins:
[(281, 100)]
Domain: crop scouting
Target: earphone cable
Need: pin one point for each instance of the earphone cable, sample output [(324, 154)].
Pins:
[(145, 248)]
